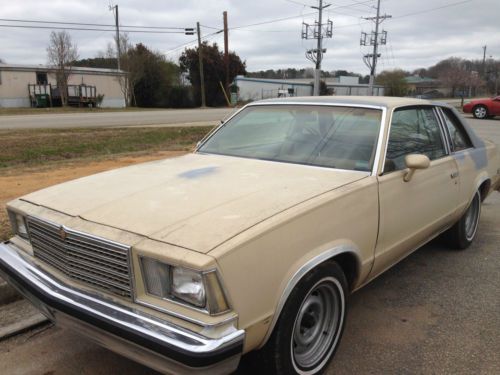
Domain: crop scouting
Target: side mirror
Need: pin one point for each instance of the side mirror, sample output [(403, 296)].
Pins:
[(414, 162)]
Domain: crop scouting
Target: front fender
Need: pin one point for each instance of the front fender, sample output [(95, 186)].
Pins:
[(301, 268)]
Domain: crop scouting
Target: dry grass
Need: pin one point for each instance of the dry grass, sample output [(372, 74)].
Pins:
[(41, 111), (33, 159), (37, 147)]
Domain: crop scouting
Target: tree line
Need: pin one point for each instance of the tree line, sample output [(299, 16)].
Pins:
[(154, 81), (461, 77)]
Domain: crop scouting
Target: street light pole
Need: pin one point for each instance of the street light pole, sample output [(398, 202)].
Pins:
[(200, 63)]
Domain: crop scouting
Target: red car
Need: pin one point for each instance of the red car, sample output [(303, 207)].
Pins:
[(483, 108)]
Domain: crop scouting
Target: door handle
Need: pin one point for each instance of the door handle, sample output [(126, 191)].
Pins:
[(454, 174)]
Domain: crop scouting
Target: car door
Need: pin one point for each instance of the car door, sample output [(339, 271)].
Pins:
[(495, 106), (461, 149), (412, 212)]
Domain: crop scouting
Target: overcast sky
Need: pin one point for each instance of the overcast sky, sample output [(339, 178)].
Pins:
[(419, 35)]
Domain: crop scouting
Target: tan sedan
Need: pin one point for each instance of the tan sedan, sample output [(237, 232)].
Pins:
[(255, 240)]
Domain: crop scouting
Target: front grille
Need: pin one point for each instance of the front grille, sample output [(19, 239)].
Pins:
[(89, 259)]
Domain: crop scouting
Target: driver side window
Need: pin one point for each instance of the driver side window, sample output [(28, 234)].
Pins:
[(413, 131)]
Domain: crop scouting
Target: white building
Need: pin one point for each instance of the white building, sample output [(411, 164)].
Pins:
[(20, 84), (263, 88)]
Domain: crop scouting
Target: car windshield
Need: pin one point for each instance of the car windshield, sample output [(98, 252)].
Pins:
[(326, 136)]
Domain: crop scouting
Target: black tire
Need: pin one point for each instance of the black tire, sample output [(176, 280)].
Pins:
[(480, 112), (282, 354), (461, 235)]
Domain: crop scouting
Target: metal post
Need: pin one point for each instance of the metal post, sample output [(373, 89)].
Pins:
[(375, 51), (226, 50), (317, 72), (200, 63), (317, 32), (484, 61), (371, 59), (117, 28)]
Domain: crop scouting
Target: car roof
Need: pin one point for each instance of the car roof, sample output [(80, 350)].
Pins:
[(379, 101)]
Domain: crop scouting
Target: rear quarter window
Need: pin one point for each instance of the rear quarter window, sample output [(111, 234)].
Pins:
[(458, 136)]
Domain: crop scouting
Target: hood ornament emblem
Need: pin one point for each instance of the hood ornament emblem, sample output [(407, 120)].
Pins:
[(63, 234)]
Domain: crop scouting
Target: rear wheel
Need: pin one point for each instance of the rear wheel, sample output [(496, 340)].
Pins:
[(461, 235), (480, 112), (308, 331)]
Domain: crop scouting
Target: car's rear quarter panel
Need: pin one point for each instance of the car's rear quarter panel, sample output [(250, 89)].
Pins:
[(475, 167)]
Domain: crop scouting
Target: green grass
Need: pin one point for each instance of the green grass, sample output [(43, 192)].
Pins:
[(39, 111), (32, 147)]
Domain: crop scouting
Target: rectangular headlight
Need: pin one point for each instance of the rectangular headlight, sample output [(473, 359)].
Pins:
[(18, 224), (191, 287), (187, 285), (156, 277)]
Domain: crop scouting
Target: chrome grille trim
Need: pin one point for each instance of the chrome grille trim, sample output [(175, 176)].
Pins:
[(83, 257)]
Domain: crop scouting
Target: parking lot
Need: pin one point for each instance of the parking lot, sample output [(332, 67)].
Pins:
[(436, 312)]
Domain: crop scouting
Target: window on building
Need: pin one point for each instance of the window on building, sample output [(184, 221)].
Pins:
[(459, 138), (413, 131), (41, 78)]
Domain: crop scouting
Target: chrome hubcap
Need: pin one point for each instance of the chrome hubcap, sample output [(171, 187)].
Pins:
[(316, 325), (480, 112), (472, 218)]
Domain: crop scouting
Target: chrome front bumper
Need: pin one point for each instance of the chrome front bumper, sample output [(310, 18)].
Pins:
[(154, 342)]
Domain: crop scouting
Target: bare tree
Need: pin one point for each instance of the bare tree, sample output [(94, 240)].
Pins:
[(2, 61), (129, 64), (62, 53)]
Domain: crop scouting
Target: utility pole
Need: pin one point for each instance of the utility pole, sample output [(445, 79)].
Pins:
[(484, 61), (317, 31), (117, 27), (376, 38), (226, 51), (200, 63)]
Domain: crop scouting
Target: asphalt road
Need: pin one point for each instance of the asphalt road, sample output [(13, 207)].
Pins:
[(436, 312), (168, 117)]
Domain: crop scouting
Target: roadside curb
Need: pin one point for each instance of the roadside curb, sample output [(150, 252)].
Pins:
[(7, 293), (18, 317)]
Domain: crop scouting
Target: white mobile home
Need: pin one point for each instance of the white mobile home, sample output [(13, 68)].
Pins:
[(20, 85)]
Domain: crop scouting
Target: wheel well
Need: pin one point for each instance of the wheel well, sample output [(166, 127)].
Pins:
[(484, 188), (349, 264)]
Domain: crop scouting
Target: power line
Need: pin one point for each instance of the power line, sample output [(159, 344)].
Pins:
[(355, 3), (433, 9), (298, 3), (90, 29), (210, 27), (206, 37), (89, 24), (332, 11), (272, 21)]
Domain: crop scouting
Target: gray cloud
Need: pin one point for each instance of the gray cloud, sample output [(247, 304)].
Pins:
[(416, 40)]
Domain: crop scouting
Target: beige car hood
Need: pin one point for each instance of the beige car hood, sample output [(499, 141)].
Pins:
[(195, 201)]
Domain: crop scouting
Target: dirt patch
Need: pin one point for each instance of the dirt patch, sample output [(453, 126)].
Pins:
[(17, 182)]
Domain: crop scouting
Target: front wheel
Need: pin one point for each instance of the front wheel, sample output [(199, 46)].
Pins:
[(480, 112), (461, 235), (309, 329)]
